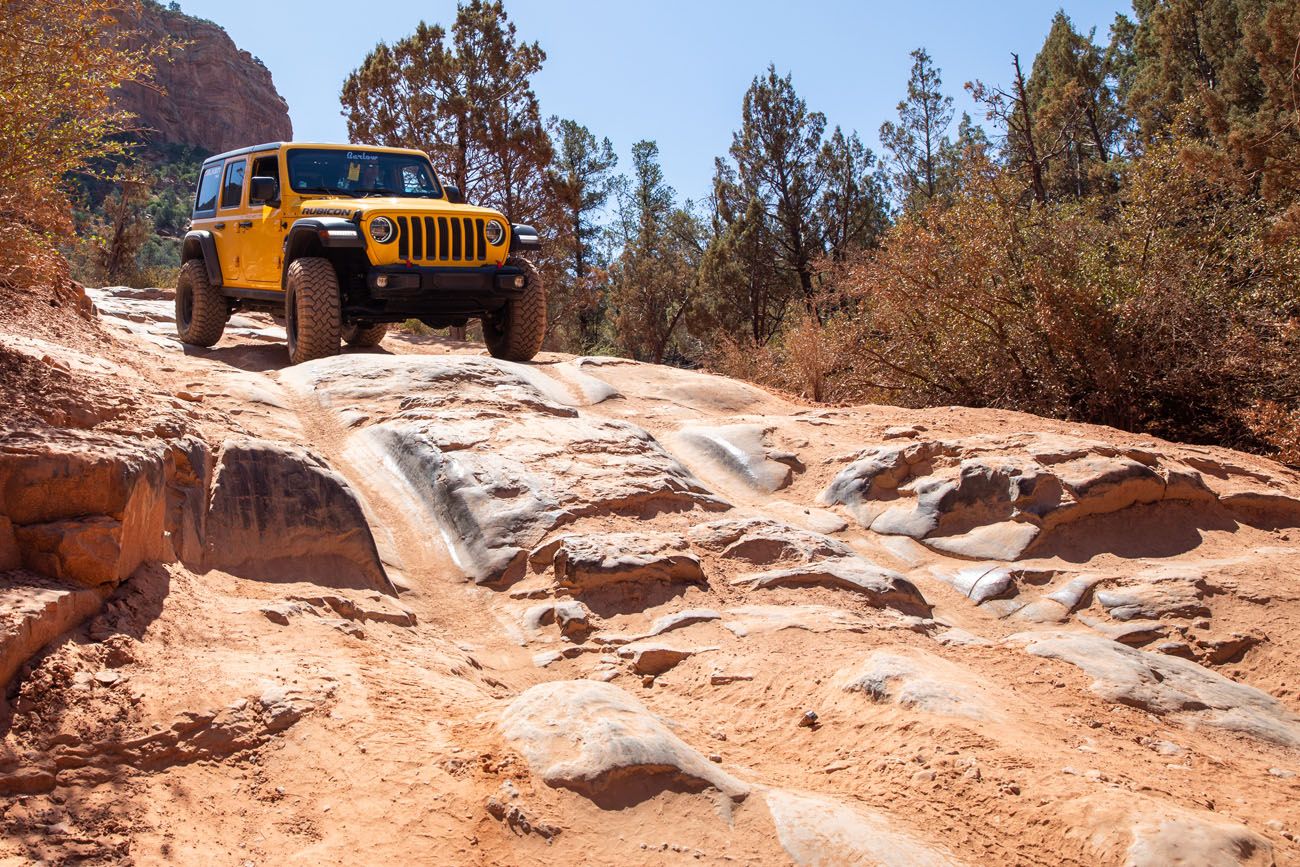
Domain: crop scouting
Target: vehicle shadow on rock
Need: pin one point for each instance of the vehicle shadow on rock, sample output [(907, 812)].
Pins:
[(262, 358)]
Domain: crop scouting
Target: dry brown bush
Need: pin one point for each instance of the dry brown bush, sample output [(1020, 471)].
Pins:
[(1170, 309), (63, 60)]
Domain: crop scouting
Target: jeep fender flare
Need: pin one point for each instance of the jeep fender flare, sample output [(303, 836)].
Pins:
[(198, 244), (523, 237), (313, 236)]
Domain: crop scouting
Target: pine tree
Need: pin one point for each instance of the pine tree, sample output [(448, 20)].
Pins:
[(581, 182), (1074, 106), (505, 120), (918, 142), (1030, 148), (653, 280), (1225, 72), (742, 288), (777, 155), (853, 211), (466, 100), (412, 94), (1193, 48)]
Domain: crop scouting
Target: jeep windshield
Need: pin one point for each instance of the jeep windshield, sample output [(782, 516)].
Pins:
[(360, 173)]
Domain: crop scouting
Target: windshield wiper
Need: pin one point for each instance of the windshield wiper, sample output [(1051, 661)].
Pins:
[(326, 191), (409, 194)]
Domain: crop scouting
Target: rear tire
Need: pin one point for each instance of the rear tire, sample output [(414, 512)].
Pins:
[(312, 319), (201, 312), (516, 331), (360, 335)]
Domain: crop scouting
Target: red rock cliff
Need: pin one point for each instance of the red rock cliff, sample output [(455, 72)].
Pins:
[(214, 95)]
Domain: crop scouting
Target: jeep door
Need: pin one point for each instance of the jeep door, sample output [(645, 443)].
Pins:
[(230, 221), (261, 228)]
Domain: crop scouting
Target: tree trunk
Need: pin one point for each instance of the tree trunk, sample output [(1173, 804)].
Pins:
[(1027, 121)]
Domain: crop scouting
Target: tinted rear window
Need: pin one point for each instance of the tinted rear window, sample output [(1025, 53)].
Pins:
[(232, 190), (209, 182)]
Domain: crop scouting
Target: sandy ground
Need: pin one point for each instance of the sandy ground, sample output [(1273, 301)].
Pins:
[(395, 749)]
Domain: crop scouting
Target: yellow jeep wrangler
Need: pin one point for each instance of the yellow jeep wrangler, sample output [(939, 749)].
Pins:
[(345, 239)]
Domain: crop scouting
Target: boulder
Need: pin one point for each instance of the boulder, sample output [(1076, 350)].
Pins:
[(1072, 593), (34, 611), (692, 391), (918, 679), (1169, 685), (65, 474), (86, 551), (571, 616), (980, 583), (744, 620), (90, 508), (989, 497), (818, 831), (495, 500), (597, 740), (1143, 831), (1134, 633), (667, 623), (586, 562), (279, 513), (762, 541), (879, 587), (680, 619), (654, 657), (1160, 593), (739, 454), (494, 454)]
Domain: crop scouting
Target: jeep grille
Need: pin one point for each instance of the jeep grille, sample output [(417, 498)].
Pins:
[(441, 239)]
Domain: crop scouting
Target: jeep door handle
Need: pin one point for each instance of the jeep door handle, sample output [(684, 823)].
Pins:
[(246, 224), (219, 226)]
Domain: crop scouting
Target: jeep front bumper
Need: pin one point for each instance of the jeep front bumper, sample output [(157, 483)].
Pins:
[(404, 282), (396, 292)]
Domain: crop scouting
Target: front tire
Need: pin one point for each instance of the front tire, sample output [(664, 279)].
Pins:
[(360, 335), (201, 312), (516, 331), (312, 319)]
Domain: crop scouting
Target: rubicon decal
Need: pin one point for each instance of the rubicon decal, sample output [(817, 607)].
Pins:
[(329, 212)]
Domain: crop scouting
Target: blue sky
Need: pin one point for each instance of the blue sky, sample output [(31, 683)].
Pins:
[(670, 70)]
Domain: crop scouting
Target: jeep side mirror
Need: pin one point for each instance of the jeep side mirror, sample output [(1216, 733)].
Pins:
[(263, 191), (453, 194)]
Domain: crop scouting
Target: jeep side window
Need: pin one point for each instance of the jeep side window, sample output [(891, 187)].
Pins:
[(267, 167), (206, 198), (233, 189)]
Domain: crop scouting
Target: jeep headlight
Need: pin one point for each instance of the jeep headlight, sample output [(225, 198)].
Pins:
[(381, 229), (494, 232)]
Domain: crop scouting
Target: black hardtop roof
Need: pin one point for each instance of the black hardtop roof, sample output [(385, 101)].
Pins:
[(276, 145), (269, 146)]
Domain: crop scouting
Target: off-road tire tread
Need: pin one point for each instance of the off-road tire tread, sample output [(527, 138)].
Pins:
[(314, 288), (208, 309), (371, 335), (525, 319)]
